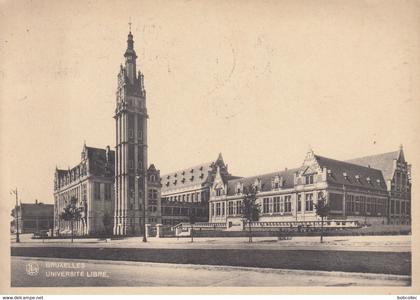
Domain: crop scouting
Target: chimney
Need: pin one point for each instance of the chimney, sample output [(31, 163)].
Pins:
[(36, 201)]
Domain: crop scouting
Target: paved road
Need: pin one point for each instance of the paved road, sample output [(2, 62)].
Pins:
[(389, 243), (71, 272)]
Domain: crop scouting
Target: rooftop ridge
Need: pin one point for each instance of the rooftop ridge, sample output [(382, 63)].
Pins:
[(373, 155), (346, 162), (188, 168), (265, 174)]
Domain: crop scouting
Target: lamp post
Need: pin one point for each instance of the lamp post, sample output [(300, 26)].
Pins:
[(15, 192)]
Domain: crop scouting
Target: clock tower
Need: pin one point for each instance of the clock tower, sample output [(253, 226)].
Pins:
[(131, 147)]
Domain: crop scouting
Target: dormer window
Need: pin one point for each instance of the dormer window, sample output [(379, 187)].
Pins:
[(183, 180), (357, 177), (276, 182), (345, 175), (201, 168), (176, 175), (168, 177), (183, 173), (192, 171), (202, 176), (378, 181), (368, 179), (218, 191), (238, 188), (192, 178), (175, 181), (167, 183)]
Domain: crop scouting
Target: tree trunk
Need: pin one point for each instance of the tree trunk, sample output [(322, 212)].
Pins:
[(71, 230), (322, 229), (250, 231)]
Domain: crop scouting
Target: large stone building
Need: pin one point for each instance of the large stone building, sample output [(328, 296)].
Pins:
[(186, 192), (132, 176), (91, 184), (397, 174), (119, 193), (354, 191), (116, 192)]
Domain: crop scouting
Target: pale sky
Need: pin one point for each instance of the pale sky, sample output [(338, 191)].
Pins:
[(258, 81)]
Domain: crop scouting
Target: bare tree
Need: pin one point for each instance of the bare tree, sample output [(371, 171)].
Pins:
[(322, 210), (250, 208)]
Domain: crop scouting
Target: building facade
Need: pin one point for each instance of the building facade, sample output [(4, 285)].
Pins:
[(132, 209), (353, 191), (186, 193), (397, 174), (33, 217), (91, 183)]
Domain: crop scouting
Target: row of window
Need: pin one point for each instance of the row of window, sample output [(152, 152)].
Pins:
[(190, 197), (183, 211), (233, 208), (400, 207), (362, 205), (278, 204), (65, 197)]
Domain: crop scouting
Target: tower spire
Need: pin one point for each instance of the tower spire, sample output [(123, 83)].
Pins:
[(130, 57)]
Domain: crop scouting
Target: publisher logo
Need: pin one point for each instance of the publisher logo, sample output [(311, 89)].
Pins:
[(32, 269)]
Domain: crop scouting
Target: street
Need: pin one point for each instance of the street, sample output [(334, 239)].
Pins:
[(387, 243), (43, 272)]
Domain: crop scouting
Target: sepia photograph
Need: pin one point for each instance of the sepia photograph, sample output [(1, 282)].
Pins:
[(230, 146)]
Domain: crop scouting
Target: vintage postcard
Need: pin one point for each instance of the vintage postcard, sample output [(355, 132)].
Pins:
[(209, 147)]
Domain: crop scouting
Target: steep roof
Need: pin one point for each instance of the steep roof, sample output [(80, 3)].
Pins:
[(186, 177), (197, 175), (288, 177), (346, 173), (383, 162), (99, 163)]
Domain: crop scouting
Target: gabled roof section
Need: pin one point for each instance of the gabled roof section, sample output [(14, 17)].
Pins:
[(383, 162), (101, 161), (201, 174), (341, 172), (186, 177), (287, 175)]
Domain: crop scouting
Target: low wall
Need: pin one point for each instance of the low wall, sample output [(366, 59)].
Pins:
[(272, 232)]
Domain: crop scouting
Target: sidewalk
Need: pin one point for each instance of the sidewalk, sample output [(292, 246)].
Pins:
[(401, 243)]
